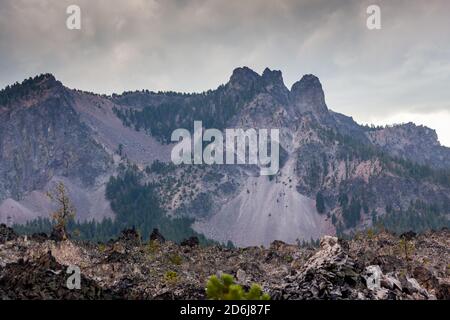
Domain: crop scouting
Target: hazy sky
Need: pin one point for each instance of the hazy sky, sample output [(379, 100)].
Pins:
[(396, 74)]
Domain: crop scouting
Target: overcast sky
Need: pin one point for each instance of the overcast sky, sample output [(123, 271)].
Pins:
[(397, 74)]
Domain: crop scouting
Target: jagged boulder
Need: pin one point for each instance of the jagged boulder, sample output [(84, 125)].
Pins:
[(190, 242), (443, 291), (425, 277), (39, 236), (130, 237), (45, 278), (6, 234), (409, 235), (329, 274), (59, 233), (334, 273), (157, 236)]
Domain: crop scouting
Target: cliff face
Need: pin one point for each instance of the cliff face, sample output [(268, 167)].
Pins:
[(43, 140), (409, 141), (325, 155), (41, 136), (354, 175)]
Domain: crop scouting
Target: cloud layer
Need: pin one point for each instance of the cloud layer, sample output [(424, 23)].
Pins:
[(377, 76)]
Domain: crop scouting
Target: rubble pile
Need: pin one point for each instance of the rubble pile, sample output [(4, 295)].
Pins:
[(381, 266)]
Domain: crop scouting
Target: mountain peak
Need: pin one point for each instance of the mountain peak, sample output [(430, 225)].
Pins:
[(30, 86), (274, 76), (46, 76), (243, 77), (44, 80), (273, 82), (308, 94)]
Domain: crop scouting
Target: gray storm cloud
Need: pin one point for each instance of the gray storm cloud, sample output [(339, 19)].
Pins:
[(394, 74)]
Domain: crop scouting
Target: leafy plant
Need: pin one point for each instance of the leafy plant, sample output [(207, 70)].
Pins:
[(175, 259), (153, 247), (406, 248), (171, 277), (370, 233), (226, 289)]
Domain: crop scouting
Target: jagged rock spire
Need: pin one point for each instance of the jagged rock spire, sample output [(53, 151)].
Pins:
[(307, 94), (271, 81), (243, 78), (274, 77)]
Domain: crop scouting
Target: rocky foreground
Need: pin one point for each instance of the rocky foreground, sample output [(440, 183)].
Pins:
[(370, 266)]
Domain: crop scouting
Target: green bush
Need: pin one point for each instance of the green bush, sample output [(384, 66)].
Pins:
[(153, 247), (175, 259), (171, 277), (226, 289)]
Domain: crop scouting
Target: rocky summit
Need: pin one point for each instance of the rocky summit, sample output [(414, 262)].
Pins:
[(369, 266)]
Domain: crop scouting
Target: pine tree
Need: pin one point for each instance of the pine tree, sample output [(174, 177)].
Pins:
[(64, 213), (320, 203)]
